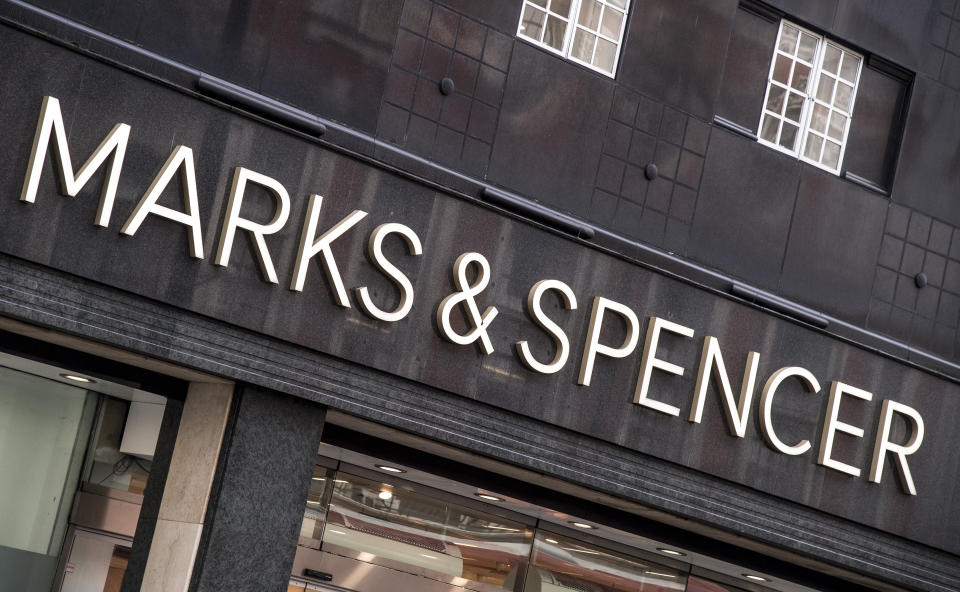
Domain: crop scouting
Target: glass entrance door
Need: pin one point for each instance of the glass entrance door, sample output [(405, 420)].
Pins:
[(95, 562)]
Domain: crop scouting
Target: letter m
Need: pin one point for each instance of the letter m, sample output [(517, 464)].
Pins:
[(115, 144)]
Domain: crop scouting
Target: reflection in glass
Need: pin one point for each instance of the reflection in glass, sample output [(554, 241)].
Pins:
[(561, 7), (818, 121), (837, 123), (831, 59), (311, 529), (611, 23), (398, 527), (842, 100), (831, 154), (583, 46), (825, 88), (801, 75), (775, 100), (851, 63), (769, 130), (808, 47), (788, 136), (781, 71), (794, 106), (556, 29), (532, 23), (788, 39), (590, 14), (563, 564), (814, 143), (605, 55)]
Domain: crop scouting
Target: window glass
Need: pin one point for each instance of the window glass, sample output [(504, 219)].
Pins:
[(564, 564), (586, 31), (818, 79), (44, 427), (396, 526)]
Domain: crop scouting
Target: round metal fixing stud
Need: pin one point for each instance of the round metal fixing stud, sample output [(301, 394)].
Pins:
[(447, 86), (650, 172), (920, 279)]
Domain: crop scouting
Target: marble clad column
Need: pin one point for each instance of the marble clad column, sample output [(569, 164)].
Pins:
[(253, 521), (186, 491)]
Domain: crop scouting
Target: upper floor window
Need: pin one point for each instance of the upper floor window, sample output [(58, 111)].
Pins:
[(589, 32), (810, 95)]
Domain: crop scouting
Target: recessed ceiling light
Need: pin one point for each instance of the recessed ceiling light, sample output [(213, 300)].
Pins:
[(313, 502), (385, 494), (666, 551), (389, 469), (582, 525), (319, 478), (488, 497), (755, 578), (76, 378), (553, 541)]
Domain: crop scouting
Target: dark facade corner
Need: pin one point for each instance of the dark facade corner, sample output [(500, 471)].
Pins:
[(446, 296)]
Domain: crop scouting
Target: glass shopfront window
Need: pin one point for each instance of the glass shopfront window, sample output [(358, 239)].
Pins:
[(44, 427), (563, 564), (396, 529)]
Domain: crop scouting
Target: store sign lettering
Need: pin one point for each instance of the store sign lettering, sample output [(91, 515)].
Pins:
[(468, 296)]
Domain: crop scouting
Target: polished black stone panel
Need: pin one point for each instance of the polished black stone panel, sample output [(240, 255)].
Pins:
[(743, 214), (684, 74), (746, 69), (539, 150), (873, 145), (885, 28), (503, 15), (747, 197), (331, 58), (267, 458), (818, 13), (829, 262), (928, 175), (454, 130)]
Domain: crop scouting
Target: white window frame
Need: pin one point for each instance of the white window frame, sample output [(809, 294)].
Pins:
[(807, 127), (572, 25)]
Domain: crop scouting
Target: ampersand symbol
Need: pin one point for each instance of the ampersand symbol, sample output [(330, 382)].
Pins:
[(466, 295)]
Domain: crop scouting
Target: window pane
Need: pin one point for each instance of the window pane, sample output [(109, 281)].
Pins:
[(825, 89), (781, 71), (621, 4), (788, 136), (565, 564), (831, 59), (788, 39), (532, 23), (561, 7), (542, 3), (794, 107), (801, 76), (808, 47), (611, 23), (556, 29), (775, 99), (583, 46), (606, 53), (831, 154), (769, 128), (837, 123), (590, 14), (848, 70), (812, 151), (842, 100), (383, 524), (818, 121)]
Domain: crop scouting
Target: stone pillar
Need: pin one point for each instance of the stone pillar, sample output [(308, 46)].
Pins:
[(256, 509), (174, 530)]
